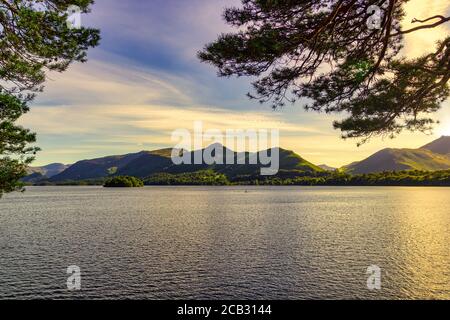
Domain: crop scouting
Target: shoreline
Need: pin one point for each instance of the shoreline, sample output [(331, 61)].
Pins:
[(239, 185)]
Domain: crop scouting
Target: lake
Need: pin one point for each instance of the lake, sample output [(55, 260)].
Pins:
[(225, 242)]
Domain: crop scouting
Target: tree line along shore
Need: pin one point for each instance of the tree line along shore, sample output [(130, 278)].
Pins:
[(212, 178)]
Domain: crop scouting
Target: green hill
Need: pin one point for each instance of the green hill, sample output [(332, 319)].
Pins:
[(147, 163), (96, 168), (432, 157)]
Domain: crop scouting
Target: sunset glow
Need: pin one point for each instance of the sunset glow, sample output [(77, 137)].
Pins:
[(126, 100), (224, 159)]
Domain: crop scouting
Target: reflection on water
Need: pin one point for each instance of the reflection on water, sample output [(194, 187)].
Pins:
[(203, 242)]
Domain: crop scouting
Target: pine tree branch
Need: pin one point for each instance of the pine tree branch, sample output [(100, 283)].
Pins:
[(428, 26)]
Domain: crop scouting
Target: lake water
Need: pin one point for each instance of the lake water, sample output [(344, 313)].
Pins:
[(225, 242)]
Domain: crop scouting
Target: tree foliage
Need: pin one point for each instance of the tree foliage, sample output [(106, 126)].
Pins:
[(388, 178), (337, 178), (124, 182), (202, 178), (326, 178), (340, 56), (14, 140), (34, 38)]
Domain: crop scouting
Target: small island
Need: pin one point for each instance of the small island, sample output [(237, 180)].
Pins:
[(124, 182)]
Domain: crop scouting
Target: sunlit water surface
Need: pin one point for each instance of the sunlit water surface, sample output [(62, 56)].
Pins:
[(225, 242)]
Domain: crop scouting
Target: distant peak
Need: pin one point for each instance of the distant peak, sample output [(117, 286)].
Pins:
[(441, 145)]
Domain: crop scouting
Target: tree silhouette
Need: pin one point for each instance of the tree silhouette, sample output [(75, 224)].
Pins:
[(342, 56), (34, 37)]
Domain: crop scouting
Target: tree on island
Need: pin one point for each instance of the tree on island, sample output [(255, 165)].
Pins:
[(35, 37), (343, 56), (124, 182)]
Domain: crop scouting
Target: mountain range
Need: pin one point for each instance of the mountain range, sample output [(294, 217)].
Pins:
[(48, 170), (146, 163), (431, 157), (38, 173)]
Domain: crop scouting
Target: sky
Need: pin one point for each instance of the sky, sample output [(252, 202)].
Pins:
[(144, 81)]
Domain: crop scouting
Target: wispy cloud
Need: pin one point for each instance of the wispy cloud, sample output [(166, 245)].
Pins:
[(145, 81)]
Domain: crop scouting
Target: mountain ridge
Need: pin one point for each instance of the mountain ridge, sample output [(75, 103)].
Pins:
[(430, 157), (49, 170), (441, 145), (145, 163), (392, 159)]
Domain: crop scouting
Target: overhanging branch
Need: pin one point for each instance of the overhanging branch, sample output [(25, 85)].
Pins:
[(442, 20)]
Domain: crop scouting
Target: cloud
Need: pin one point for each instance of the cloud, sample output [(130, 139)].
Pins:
[(145, 81), (99, 82), (139, 123)]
